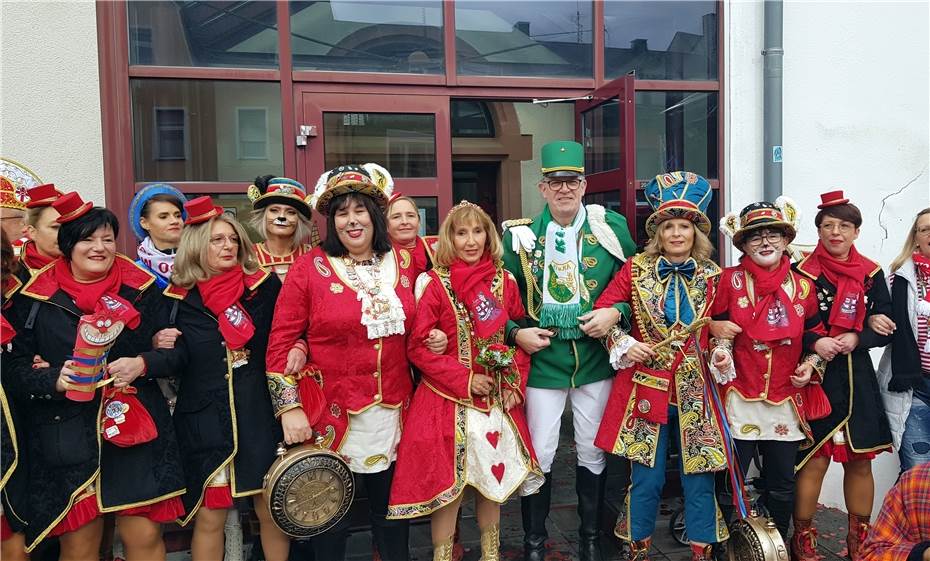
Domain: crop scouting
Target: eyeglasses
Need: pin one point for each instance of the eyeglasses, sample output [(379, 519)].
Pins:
[(843, 227), (220, 241), (771, 236), (559, 184), (925, 231)]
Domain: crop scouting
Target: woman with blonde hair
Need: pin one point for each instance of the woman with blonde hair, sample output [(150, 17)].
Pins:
[(904, 371), (403, 223), (283, 218), (467, 414), (222, 303)]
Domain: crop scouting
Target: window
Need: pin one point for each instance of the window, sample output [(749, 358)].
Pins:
[(676, 131), (471, 119), (403, 143), (170, 133), (140, 39), (252, 133), (548, 39)]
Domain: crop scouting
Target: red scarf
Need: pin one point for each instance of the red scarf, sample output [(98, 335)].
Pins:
[(772, 317), (6, 331), (221, 295), (922, 264), (848, 310), (417, 250), (32, 258), (98, 296), (472, 286)]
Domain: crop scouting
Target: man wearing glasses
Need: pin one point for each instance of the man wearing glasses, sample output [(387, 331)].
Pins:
[(562, 260)]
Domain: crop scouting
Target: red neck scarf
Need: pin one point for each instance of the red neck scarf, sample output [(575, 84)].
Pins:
[(772, 319), (100, 295), (848, 310), (33, 259), (922, 264), (221, 295), (6, 331), (472, 286)]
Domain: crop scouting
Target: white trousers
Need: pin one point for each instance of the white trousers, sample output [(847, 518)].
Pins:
[(544, 408)]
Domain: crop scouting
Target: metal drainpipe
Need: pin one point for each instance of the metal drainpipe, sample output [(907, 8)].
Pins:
[(772, 60)]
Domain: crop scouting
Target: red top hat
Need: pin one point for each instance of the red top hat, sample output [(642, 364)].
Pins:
[(43, 195), (200, 210), (70, 207), (832, 198)]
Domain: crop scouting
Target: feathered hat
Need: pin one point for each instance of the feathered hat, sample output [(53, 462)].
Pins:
[(367, 179)]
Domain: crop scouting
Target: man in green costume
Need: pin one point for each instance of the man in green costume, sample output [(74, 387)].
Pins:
[(562, 260)]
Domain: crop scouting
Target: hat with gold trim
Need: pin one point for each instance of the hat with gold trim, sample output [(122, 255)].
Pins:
[(366, 179), (678, 194), (562, 158), (12, 196), (763, 214), (15, 182), (200, 210), (43, 196), (71, 206), (267, 191)]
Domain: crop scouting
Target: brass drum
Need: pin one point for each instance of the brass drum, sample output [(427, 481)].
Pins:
[(755, 538), (308, 489)]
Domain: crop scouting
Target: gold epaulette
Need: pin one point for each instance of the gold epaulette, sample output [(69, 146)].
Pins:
[(516, 222)]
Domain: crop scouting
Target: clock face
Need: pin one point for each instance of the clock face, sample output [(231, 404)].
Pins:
[(314, 497)]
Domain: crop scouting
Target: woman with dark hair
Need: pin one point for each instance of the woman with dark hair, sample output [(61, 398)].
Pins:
[(904, 372), (403, 218), (156, 215), (88, 316), (283, 218), (222, 302), (12, 540), (854, 307), (351, 301), (41, 246)]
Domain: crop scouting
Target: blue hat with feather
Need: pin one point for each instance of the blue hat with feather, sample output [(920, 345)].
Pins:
[(678, 194)]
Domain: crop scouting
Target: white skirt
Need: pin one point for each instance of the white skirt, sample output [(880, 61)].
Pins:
[(496, 461), (370, 445), (759, 420)]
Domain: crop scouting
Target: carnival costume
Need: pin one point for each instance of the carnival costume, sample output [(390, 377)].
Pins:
[(664, 398), (472, 440), (778, 313), (156, 261), (15, 182), (354, 317), (77, 474), (420, 250), (30, 259), (12, 459), (560, 273), (281, 190)]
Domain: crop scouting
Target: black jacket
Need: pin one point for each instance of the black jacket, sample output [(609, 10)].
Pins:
[(222, 412), (906, 371), (63, 440)]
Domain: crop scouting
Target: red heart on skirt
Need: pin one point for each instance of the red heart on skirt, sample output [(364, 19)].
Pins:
[(498, 471), (493, 437)]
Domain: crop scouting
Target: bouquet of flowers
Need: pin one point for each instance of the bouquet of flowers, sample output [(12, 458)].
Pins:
[(498, 358)]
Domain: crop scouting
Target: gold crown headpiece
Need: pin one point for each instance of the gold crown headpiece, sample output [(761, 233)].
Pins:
[(464, 204)]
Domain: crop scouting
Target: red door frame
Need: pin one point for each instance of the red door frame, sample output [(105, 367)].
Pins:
[(311, 158)]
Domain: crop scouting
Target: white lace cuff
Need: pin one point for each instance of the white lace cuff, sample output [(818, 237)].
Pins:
[(723, 376), (618, 352)]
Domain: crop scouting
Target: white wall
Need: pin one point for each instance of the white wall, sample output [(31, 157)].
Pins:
[(856, 91), (50, 94)]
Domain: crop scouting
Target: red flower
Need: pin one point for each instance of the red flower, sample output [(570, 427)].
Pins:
[(781, 429), (498, 347)]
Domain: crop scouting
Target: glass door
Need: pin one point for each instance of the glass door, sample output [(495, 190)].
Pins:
[(605, 125), (407, 134)]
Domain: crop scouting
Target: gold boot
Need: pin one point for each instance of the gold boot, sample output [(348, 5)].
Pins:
[(491, 543), (442, 551)]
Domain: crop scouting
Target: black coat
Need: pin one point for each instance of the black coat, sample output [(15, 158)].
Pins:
[(63, 440), (849, 380), (222, 413), (13, 467), (906, 371)]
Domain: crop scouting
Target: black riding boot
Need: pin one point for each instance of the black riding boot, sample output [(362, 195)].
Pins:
[(590, 489), (781, 512), (391, 536), (535, 509)]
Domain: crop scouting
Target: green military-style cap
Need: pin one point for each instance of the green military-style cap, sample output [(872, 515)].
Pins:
[(562, 158)]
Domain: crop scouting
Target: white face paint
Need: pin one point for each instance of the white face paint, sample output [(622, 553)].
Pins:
[(281, 220), (765, 247)]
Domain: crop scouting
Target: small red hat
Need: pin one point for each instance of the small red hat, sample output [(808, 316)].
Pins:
[(70, 207), (43, 195), (200, 210), (832, 198)]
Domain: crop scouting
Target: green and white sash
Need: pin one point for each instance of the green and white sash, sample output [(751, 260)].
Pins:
[(562, 281)]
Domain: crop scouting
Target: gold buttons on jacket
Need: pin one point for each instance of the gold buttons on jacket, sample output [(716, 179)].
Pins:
[(763, 395), (226, 376), (377, 346), (377, 396), (375, 374)]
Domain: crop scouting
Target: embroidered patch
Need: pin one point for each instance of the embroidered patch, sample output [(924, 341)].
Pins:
[(335, 410), (493, 437), (404, 258), (805, 288), (371, 461), (643, 406), (336, 288), (749, 429), (498, 471), (322, 269), (799, 309), (742, 302), (404, 281), (781, 429), (737, 280)]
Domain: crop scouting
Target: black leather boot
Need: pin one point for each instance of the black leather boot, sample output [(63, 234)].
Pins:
[(780, 511), (590, 489), (392, 539), (535, 510)]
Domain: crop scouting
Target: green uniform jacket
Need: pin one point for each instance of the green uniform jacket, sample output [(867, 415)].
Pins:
[(568, 363)]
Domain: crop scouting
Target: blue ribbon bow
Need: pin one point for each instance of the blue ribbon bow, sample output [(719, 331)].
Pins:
[(677, 304)]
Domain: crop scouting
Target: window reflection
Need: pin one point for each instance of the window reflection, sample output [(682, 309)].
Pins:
[(550, 39), (231, 34), (661, 40), (676, 131), (205, 130), (601, 135), (371, 36), (404, 144)]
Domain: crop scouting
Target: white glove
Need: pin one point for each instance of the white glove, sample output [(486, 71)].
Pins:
[(728, 374), (523, 237), (923, 308)]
